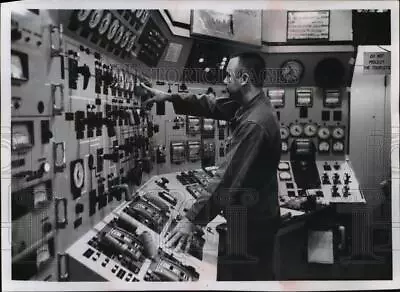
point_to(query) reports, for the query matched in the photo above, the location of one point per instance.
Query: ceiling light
(207, 69)
(201, 60)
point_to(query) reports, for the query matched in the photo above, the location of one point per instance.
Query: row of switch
(90, 253)
(335, 179)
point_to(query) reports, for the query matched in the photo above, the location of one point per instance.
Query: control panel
(129, 244)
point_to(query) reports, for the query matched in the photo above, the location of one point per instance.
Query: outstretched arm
(203, 105)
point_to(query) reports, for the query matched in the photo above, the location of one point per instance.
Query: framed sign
(308, 25)
(228, 25)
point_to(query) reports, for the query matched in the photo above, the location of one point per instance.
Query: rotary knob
(44, 168)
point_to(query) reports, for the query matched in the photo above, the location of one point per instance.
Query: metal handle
(63, 263)
(60, 224)
(342, 234)
(56, 52)
(57, 110)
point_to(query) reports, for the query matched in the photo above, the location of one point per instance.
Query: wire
(384, 49)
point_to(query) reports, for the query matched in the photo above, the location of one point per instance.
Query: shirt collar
(239, 113)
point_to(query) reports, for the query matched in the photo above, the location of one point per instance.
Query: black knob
(47, 227)
(16, 34)
(79, 208)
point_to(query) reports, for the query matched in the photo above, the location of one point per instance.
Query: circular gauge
(95, 18)
(105, 23)
(283, 166)
(127, 79)
(284, 133)
(296, 130)
(310, 130)
(130, 43)
(338, 133)
(338, 146)
(292, 71)
(284, 146)
(324, 133)
(285, 175)
(323, 146)
(125, 39)
(119, 34)
(83, 14)
(113, 29)
(121, 79)
(78, 175)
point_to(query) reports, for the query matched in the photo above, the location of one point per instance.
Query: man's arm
(203, 105)
(240, 176)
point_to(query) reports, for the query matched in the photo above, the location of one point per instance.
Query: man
(245, 185)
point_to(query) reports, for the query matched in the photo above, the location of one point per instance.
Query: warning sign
(377, 62)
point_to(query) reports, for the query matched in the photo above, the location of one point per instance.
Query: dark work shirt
(247, 177)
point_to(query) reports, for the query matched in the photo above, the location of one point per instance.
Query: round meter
(130, 43)
(95, 18)
(338, 133)
(296, 130)
(125, 39)
(292, 71)
(78, 175)
(324, 133)
(105, 23)
(284, 133)
(310, 130)
(338, 146)
(323, 146)
(113, 29)
(119, 34)
(83, 14)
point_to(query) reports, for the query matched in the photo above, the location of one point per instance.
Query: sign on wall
(307, 25)
(242, 26)
(377, 62)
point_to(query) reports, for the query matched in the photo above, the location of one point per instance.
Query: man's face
(232, 79)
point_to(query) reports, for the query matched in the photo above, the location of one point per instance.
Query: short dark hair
(254, 65)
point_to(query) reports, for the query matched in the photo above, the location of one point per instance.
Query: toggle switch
(79, 208)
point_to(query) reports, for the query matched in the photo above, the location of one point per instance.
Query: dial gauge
(296, 130)
(125, 39)
(324, 133)
(310, 130)
(292, 71)
(119, 34)
(338, 146)
(284, 133)
(78, 175)
(323, 146)
(105, 23)
(338, 133)
(95, 18)
(130, 43)
(113, 29)
(83, 14)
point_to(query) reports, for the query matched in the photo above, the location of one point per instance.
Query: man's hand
(159, 95)
(181, 235)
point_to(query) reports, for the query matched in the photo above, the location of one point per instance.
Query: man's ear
(244, 79)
